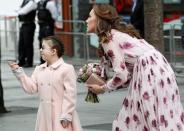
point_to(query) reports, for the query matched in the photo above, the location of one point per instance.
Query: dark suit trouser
(45, 31)
(182, 35)
(25, 47)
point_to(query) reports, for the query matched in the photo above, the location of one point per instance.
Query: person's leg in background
(40, 37)
(29, 39)
(44, 31)
(182, 35)
(21, 47)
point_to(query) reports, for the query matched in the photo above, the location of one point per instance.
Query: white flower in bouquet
(83, 75)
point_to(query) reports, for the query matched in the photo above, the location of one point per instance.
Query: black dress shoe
(21, 64)
(28, 65)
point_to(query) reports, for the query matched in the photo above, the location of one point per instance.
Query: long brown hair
(107, 19)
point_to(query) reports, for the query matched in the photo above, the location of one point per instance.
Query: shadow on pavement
(100, 127)
(19, 110)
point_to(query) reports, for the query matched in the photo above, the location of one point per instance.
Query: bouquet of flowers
(91, 73)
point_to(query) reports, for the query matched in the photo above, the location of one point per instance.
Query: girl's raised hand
(13, 65)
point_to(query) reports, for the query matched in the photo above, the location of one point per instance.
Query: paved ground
(23, 107)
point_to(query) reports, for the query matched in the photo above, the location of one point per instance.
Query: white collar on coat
(55, 65)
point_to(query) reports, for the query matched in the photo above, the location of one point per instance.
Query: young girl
(55, 81)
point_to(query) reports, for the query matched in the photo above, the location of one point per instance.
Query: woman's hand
(65, 123)
(96, 88)
(13, 65)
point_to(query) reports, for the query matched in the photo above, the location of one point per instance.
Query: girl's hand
(96, 88)
(13, 65)
(65, 123)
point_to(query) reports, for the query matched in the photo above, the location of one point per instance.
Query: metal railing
(84, 45)
(176, 51)
(9, 33)
(83, 49)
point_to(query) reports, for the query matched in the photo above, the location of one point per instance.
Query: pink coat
(56, 86)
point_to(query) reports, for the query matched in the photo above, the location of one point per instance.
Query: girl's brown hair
(56, 43)
(107, 19)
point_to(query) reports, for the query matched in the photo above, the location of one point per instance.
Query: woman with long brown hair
(153, 100)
